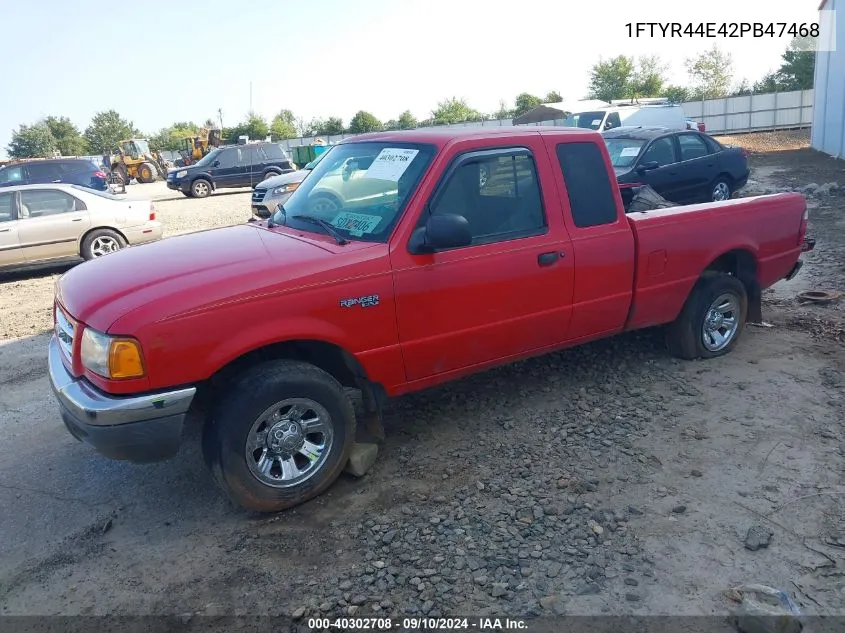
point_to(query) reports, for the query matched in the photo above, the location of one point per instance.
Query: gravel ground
(605, 479)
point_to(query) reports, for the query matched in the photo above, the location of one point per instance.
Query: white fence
(753, 113)
(730, 115)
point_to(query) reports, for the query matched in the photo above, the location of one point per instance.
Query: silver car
(270, 193)
(41, 223)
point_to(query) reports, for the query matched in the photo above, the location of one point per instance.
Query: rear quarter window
(588, 184)
(273, 151)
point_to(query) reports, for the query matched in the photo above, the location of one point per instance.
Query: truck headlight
(289, 188)
(113, 357)
(182, 173)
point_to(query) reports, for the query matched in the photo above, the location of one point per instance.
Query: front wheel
(712, 319)
(201, 188)
(280, 436)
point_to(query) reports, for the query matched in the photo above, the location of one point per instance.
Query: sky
(182, 61)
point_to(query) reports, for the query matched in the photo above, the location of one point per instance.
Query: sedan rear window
(623, 151)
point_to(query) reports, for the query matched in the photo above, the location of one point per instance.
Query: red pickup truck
(393, 267)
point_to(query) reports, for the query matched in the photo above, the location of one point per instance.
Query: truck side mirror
(441, 231)
(216, 163)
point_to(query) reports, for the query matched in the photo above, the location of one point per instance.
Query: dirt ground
(607, 479)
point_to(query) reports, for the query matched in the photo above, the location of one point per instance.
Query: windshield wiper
(328, 227)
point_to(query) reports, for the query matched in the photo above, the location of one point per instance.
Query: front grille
(65, 332)
(258, 195)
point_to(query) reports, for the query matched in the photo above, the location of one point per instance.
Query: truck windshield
(623, 151)
(360, 189)
(590, 120)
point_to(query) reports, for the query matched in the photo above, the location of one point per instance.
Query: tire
(101, 242)
(146, 173)
(270, 173)
(200, 188)
(324, 202)
(691, 335)
(241, 416)
(720, 189)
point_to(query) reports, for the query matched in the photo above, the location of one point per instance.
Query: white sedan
(43, 223)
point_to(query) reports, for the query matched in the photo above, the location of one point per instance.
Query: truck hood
(191, 272)
(284, 179)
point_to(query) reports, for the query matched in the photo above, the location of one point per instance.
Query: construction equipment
(134, 159)
(195, 147)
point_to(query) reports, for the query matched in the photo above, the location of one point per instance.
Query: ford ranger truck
(393, 267)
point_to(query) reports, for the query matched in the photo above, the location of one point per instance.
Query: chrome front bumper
(138, 428)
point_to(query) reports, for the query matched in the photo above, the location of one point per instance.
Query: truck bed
(674, 245)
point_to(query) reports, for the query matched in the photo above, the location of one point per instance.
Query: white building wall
(828, 131)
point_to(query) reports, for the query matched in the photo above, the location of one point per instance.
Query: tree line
(711, 76)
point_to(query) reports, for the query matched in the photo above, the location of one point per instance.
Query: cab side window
(499, 195)
(228, 158)
(588, 185)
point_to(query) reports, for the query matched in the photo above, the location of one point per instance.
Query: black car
(682, 166)
(71, 171)
(230, 166)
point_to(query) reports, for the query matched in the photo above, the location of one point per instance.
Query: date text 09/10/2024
(417, 624)
(724, 29)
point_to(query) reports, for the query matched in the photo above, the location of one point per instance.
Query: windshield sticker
(391, 163)
(629, 151)
(356, 223)
(596, 121)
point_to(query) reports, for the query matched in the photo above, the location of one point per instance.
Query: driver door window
(12, 175)
(661, 151)
(499, 197)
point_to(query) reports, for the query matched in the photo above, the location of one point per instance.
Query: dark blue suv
(71, 171)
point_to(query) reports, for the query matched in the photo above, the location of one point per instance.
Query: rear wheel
(712, 319)
(201, 188)
(720, 189)
(146, 173)
(101, 242)
(280, 436)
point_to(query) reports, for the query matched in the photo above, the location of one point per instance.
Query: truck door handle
(547, 259)
(77, 220)
(5, 230)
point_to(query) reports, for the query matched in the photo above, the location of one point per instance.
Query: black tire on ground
(200, 188)
(146, 173)
(256, 391)
(270, 173)
(686, 337)
(101, 242)
(720, 189)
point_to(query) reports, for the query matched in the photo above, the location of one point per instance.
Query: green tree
(283, 125)
(209, 123)
(797, 71)
(364, 122)
(172, 137)
(332, 125)
(106, 130)
(68, 139)
(255, 127)
(743, 88)
(611, 79)
(711, 73)
(407, 121)
(32, 141)
(525, 102)
(769, 83)
(454, 110)
(676, 94)
(553, 97)
(648, 78)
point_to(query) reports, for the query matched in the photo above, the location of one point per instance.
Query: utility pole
(250, 97)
